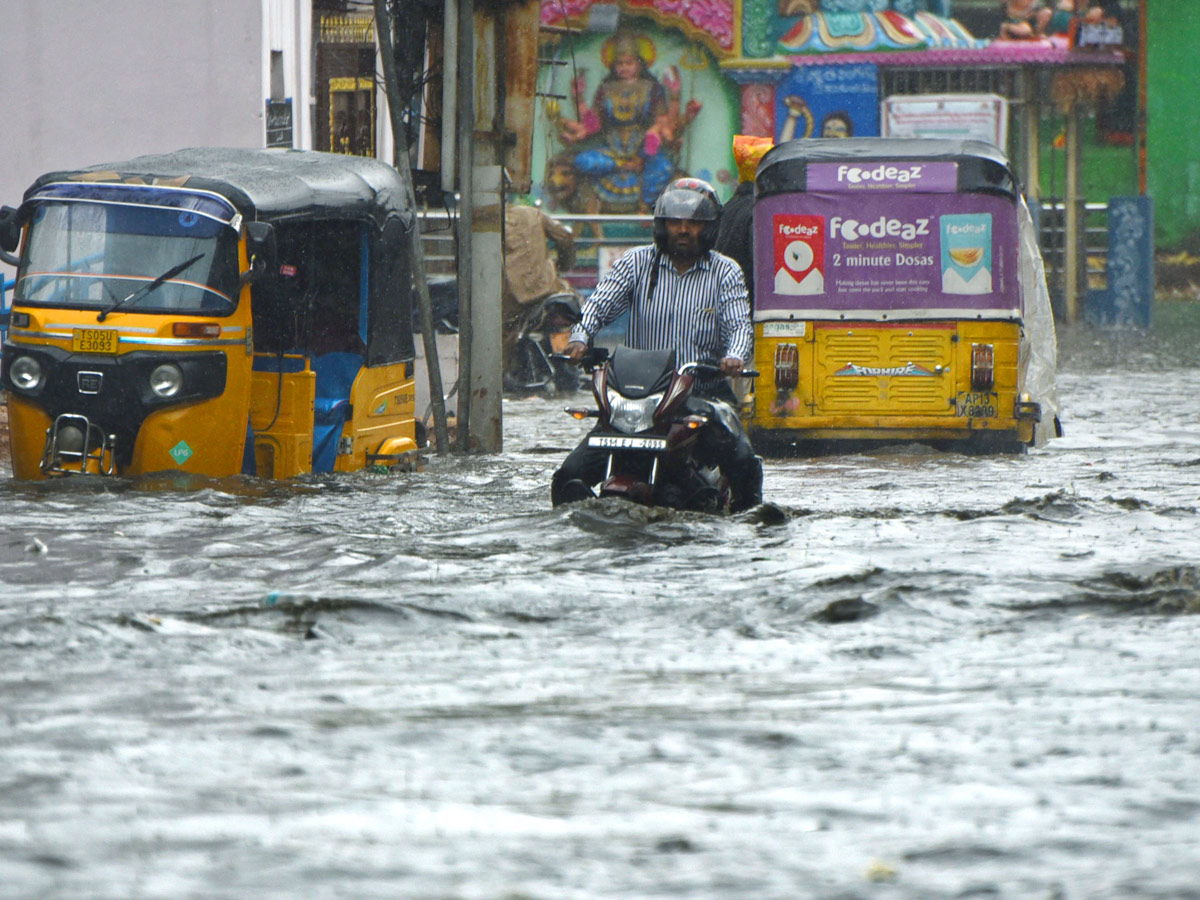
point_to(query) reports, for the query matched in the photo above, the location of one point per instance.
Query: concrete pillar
(487, 275)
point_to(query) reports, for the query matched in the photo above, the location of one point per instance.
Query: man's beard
(684, 248)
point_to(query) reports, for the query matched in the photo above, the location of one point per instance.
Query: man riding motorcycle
(684, 296)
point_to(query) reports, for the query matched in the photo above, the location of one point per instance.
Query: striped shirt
(703, 314)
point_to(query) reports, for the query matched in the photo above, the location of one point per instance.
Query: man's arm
(563, 238)
(737, 331)
(612, 296)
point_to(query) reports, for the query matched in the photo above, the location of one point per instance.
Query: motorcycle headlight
(632, 416)
(26, 373)
(166, 380)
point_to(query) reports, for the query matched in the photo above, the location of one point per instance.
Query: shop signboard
(980, 117)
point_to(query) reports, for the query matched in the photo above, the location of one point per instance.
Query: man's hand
(575, 351)
(731, 365)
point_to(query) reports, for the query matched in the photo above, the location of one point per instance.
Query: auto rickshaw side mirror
(10, 233)
(260, 247)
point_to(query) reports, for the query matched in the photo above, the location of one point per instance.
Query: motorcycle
(532, 364)
(663, 442)
(536, 364)
(443, 301)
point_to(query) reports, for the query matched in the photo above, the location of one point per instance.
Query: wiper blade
(149, 286)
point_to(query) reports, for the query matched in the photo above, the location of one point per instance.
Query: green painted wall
(1173, 122)
(1107, 171)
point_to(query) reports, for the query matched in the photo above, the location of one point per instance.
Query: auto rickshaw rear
(899, 296)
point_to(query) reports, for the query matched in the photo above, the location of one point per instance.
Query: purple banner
(872, 255)
(927, 177)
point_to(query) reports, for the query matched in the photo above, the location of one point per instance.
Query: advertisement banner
(878, 255)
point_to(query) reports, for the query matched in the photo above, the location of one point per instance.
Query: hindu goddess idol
(621, 136)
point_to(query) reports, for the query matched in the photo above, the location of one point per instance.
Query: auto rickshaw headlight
(26, 373)
(166, 380)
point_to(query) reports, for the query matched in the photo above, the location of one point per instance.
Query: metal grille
(1053, 239)
(920, 347)
(885, 348)
(859, 348)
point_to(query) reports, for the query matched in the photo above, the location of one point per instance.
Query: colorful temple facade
(696, 72)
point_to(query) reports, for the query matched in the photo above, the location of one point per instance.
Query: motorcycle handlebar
(592, 357)
(709, 369)
(596, 356)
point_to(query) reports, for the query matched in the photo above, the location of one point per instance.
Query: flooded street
(917, 675)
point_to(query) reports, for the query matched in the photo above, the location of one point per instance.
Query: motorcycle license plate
(94, 340)
(621, 442)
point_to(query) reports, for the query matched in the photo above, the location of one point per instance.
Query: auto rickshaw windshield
(92, 254)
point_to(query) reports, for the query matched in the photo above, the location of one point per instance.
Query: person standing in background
(735, 237)
(530, 275)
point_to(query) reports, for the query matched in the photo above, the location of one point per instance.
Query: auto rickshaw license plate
(94, 340)
(976, 405)
(618, 442)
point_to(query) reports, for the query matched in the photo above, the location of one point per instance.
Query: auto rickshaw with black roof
(211, 311)
(899, 297)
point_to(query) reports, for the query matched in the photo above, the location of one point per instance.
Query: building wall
(87, 81)
(1173, 151)
(287, 31)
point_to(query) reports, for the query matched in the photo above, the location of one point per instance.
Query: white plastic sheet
(1039, 342)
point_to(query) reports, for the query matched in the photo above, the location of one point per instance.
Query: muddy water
(920, 675)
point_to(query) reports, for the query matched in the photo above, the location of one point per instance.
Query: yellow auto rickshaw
(899, 295)
(211, 311)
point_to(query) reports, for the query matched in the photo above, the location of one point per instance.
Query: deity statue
(627, 140)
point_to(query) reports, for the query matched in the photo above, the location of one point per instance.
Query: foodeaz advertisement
(875, 253)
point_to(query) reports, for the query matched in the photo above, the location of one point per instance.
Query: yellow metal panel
(281, 414)
(853, 362)
(882, 392)
(384, 401)
(207, 436)
(197, 438)
(27, 437)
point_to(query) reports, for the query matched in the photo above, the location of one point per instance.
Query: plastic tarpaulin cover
(1039, 339)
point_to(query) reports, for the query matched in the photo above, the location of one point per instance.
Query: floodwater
(917, 675)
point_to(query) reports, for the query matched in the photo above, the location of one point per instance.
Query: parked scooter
(536, 365)
(443, 301)
(663, 442)
(542, 332)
